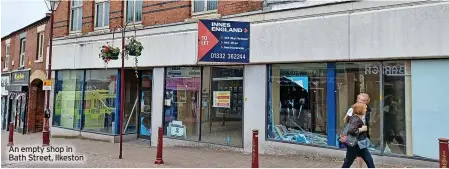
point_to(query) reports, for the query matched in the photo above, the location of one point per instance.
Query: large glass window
(181, 102)
(100, 100)
(297, 110)
(394, 106)
(222, 105)
(68, 98)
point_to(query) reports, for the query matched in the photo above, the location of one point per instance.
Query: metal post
(11, 134)
(255, 159)
(46, 132)
(122, 92)
(444, 152)
(159, 147)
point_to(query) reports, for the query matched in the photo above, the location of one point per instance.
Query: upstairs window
(102, 13)
(22, 52)
(40, 49)
(76, 13)
(133, 11)
(6, 62)
(203, 6)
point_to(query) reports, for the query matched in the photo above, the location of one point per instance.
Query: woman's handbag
(363, 143)
(347, 138)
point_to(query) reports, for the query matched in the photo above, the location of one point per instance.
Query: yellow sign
(19, 76)
(222, 99)
(47, 82)
(47, 85)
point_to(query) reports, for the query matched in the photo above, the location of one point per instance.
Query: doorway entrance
(35, 118)
(146, 84)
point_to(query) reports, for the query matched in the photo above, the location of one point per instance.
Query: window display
(68, 96)
(100, 100)
(181, 102)
(222, 105)
(297, 108)
(145, 104)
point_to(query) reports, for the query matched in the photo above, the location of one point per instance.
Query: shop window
(182, 102)
(145, 104)
(131, 99)
(222, 105)
(397, 97)
(100, 101)
(68, 99)
(133, 11)
(297, 105)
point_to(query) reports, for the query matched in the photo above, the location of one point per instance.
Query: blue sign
(223, 41)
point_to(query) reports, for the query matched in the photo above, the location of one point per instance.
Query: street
(137, 153)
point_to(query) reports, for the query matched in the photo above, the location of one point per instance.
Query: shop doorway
(19, 111)
(35, 118)
(146, 84)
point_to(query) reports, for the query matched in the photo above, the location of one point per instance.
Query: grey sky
(16, 14)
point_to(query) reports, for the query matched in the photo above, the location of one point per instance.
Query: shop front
(4, 100)
(146, 85)
(307, 103)
(204, 104)
(18, 98)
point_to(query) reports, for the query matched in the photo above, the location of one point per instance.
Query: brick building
(308, 62)
(23, 65)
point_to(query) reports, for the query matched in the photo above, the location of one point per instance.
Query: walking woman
(359, 130)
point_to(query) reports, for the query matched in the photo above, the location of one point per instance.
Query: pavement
(138, 154)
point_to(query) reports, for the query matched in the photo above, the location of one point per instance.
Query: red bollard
(255, 161)
(444, 152)
(11, 134)
(159, 147)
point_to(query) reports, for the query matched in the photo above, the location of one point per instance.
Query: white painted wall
(157, 111)
(254, 92)
(347, 31)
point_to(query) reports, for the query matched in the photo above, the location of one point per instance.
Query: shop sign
(223, 41)
(184, 72)
(20, 78)
(47, 85)
(222, 99)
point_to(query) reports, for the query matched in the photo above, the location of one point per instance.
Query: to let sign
(47, 85)
(223, 41)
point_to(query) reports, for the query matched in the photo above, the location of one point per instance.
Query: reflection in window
(394, 107)
(297, 103)
(99, 100)
(68, 96)
(145, 105)
(181, 102)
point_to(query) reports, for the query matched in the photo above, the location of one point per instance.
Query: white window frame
(205, 11)
(134, 18)
(104, 18)
(72, 8)
(40, 49)
(6, 62)
(22, 52)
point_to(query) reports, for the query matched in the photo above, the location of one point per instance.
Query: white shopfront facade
(415, 35)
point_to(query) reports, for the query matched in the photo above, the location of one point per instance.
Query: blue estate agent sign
(223, 41)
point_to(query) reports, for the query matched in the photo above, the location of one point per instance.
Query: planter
(109, 53)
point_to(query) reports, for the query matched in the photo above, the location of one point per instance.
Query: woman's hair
(359, 109)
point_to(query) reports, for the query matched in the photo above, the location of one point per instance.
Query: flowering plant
(109, 53)
(134, 48)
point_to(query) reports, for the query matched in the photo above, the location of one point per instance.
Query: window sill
(101, 28)
(209, 15)
(75, 33)
(137, 24)
(5, 69)
(39, 61)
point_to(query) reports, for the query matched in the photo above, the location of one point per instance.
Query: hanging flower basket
(134, 48)
(109, 53)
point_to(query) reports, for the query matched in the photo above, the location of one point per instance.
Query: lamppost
(51, 5)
